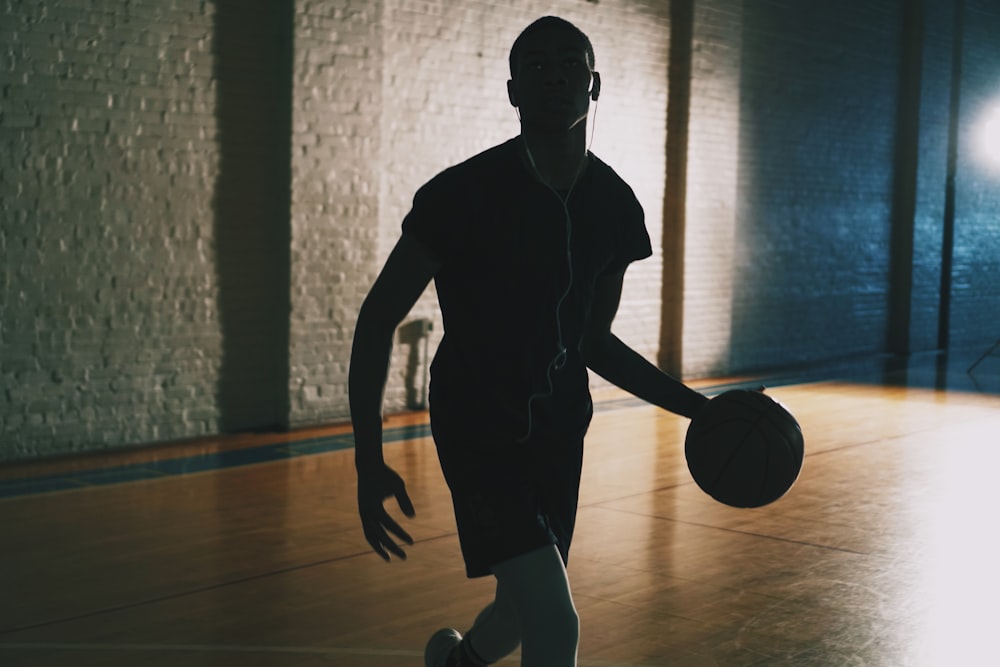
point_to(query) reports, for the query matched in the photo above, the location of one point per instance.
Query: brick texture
(975, 292)
(801, 250)
(109, 332)
(336, 103)
(712, 171)
(932, 174)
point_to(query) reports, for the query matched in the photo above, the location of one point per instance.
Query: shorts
(512, 498)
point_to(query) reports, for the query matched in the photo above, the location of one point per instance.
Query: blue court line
(186, 465)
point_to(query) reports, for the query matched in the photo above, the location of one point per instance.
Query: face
(552, 81)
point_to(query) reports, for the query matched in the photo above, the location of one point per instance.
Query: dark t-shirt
(501, 238)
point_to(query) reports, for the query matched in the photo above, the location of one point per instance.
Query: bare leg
(536, 588)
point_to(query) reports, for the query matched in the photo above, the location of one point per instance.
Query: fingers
(376, 545)
(395, 549)
(395, 529)
(397, 488)
(383, 545)
(379, 539)
(404, 502)
(376, 522)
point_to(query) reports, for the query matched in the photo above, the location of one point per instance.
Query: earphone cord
(559, 360)
(593, 127)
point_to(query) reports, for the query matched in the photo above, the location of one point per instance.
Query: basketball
(744, 449)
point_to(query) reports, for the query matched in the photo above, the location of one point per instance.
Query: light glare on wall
(987, 140)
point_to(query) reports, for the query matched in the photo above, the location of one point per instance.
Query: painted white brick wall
(108, 327)
(712, 171)
(336, 99)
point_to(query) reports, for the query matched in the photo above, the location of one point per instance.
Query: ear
(511, 94)
(595, 89)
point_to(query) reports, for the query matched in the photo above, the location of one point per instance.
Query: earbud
(511, 95)
(595, 89)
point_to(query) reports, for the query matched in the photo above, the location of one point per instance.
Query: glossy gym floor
(246, 550)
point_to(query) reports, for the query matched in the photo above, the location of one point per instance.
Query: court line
(186, 465)
(237, 648)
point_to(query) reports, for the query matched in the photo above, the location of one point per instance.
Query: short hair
(544, 23)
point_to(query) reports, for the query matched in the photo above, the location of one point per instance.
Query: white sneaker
(440, 646)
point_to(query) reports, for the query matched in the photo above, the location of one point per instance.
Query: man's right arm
(406, 274)
(403, 278)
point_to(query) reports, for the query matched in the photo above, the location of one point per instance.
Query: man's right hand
(374, 487)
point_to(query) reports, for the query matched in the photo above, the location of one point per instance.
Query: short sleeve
(636, 245)
(431, 218)
(632, 239)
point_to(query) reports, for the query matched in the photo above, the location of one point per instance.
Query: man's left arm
(619, 364)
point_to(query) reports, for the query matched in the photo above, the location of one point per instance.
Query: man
(527, 244)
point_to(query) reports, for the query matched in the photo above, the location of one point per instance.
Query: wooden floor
(886, 551)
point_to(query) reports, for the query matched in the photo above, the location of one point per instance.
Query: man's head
(552, 74)
(548, 23)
